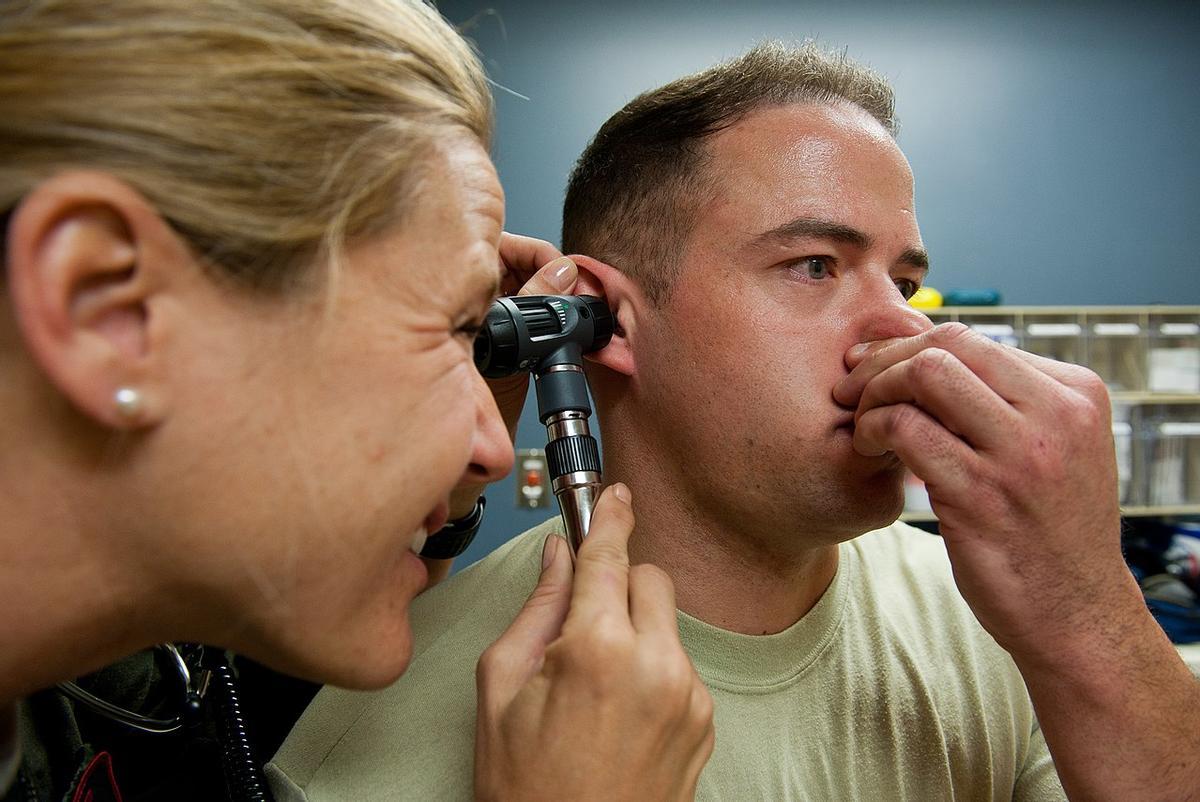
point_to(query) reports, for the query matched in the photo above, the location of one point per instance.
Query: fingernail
(549, 549)
(621, 492)
(564, 276)
(859, 350)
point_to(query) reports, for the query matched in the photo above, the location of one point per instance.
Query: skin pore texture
(721, 415)
(279, 436)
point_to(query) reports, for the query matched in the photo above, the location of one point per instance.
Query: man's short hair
(633, 195)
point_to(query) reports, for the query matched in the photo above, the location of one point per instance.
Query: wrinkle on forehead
(468, 166)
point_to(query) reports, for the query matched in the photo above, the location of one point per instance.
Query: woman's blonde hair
(265, 131)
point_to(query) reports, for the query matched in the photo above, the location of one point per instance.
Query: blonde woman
(247, 244)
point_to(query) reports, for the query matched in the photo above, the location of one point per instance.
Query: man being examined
(752, 227)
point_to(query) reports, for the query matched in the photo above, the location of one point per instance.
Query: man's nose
(491, 448)
(887, 314)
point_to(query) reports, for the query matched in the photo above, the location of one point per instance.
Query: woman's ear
(628, 304)
(83, 250)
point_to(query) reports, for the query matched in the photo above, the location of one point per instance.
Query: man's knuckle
(932, 365)
(1077, 410)
(1093, 416)
(902, 418)
(948, 335)
(1094, 388)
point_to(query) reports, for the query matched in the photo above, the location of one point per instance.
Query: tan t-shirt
(887, 690)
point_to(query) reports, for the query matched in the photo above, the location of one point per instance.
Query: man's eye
(815, 267)
(908, 288)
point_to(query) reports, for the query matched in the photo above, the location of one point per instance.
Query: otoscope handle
(573, 459)
(576, 503)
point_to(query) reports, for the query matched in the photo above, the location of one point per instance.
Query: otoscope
(548, 336)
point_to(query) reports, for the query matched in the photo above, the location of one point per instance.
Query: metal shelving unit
(1149, 356)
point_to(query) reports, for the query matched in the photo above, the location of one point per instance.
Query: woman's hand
(531, 267)
(589, 694)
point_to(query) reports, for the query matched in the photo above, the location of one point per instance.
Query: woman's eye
(908, 288)
(469, 331)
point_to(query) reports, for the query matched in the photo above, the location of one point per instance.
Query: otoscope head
(534, 332)
(548, 335)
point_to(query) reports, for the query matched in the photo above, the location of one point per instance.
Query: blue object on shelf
(971, 298)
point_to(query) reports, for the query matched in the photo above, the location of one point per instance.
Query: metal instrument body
(548, 336)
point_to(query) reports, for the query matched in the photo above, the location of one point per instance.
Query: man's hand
(1017, 453)
(589, 694)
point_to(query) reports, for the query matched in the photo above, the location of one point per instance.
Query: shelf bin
(1174, 354)
(1174, 460)
(1116, 347)
(1058, 337)
(1123, 442)
(1001, 328)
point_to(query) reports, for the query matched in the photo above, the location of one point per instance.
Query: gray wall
(1055, 144)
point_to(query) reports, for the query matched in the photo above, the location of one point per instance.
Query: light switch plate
(533, 479)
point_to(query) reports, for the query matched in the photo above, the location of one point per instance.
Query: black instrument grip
(578, 452)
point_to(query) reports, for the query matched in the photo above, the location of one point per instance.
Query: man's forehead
(819, 128)
(805, 160)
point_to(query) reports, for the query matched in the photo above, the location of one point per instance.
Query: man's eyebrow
(809, 227)
(916, 257)
(813, 228)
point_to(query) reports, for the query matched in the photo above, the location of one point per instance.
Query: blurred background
(1054, 144)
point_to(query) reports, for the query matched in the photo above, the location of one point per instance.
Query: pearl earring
(128, 401)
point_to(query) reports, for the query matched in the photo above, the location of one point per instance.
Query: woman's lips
(432, 524)
(437, 519)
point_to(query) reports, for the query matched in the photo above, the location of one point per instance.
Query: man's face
(807, 246)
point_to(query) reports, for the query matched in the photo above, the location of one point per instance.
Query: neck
(71, 604)
(724, 575)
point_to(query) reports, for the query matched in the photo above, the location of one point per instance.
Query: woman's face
(333, 427)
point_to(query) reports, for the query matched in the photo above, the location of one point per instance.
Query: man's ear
(628, 304)
(85, 265)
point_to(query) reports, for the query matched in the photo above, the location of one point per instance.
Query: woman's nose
(491, 449)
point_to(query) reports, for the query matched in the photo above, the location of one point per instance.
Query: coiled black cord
(243, 772)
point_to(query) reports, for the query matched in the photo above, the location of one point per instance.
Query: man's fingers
(1002, 368)
(652, 601)
(937, 382)
(1073, 376)
(602, 565)
(517, 654)
(935, 455)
